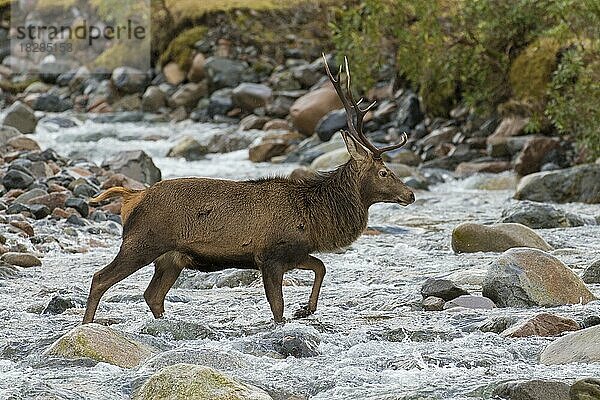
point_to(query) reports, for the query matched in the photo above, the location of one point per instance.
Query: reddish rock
(542, 325)
(23, 143)
(24, 226)
(113, 207)
(510, 126)
(531, 157)
(310, 108)
(196, 72)
(51, 200)
(55, 187)
(266, 150)
(173, 74)
(252, 122)
(59, 213)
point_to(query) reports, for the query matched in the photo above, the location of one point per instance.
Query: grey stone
(21, 117)
(472, 302)
(592, 273)
(532, 390)
(249, 96)
(129, 80)
(15, 179)
(579, 346)
(433, 303)
(586, 389)
(442, 288)
(540, 216)
(224, 72)
(79, 204)
(331, 123)
(135, 164)
(24, 260)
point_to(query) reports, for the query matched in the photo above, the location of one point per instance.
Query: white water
(365, 304)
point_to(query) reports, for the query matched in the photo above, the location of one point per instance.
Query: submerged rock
(524, 277)
(196, 382)
(532, 390)
(442, 288)
(470, 238)
(179, 330)
(542, 325)
(577, 184)
(540, 216)
(292, 339)
(581, 346)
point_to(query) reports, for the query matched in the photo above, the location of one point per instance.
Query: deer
(271, 224)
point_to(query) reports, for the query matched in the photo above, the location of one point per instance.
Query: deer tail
(114, 192)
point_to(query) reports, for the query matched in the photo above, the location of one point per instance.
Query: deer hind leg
(128, 260)
(316, 265)
(166, 271)
(272, 276)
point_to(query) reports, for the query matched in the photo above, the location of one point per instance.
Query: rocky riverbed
(370, 338)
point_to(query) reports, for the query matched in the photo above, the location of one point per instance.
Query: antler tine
(402, 142)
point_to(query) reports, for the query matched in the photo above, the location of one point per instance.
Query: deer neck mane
(333, 208)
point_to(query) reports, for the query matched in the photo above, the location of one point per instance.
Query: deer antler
(355, 128)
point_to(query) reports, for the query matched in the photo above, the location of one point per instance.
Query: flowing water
(374, 342)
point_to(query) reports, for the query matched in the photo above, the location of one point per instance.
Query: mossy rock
(54, 5)
(181, 49)
(196, 382)
(16, 87)
(531, 72)
(194, 9)
(100, 343)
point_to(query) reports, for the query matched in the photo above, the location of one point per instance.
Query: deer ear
(357, 151)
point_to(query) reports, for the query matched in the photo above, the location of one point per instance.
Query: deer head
(377, 182)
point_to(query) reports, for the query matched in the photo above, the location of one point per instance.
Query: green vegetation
(537, 57)
(181, 49)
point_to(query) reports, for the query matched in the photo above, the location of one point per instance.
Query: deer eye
(383, 173)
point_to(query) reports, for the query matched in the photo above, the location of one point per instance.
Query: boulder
(329, 124)
(471, 238)
(249, 96)
(220, 102)
(196, 72)
(543, 324)
(100, 343)
(196, 382)
(292, 339)
(442, 288)
(188, 148)
(7, 133)
(472, 302)
(22, 143)
(532, 156)
(24, 260)
(592, 273)
(188, 94)
(540, 216)
(15, 179)
(135, 164)
(173, 73)
(586, 389)
(532, 390)
(128, 79)
(576, 184)
(524, 277)
(403, 156)
(576, 347)
(153, 99)
(21, 117)
(307, 110)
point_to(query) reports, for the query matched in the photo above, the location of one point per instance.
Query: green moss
(121, 54)
(16, 87)
(531, 72)
(54, 5)
(181, 49)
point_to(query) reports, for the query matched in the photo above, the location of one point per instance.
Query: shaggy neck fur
(333, 208)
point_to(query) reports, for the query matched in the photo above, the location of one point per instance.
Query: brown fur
(131, 198)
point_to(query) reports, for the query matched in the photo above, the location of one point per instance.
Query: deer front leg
(272, 280)
(316, 265)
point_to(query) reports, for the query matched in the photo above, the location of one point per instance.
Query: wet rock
(99, 343)
(532, 390)
(15, 179)
(153, 99)
(84, 189)
(472, 302)
(497, 324)
(79, 204)
(24, 260)
(173, 73)
(525, 277)
(540, 216)
(433, 303)
(128, 79)
(179, 330)
(135, 164)
(51, 200)
(409, 112)
(577, 184)
(223, 359)
(306, 111)
(249, 96)
(592, 273)
(470, 238)
(442, 288)
(292, 339)
(50, 102)
(534, 153)
(20, 116)
(580, 346)
(188, 95)
(16, 208)
(227, 278)
(196, 382)
(543, 324)
(188, 148)
(470, 168)
(23, 226)
(58, 305)
(225, 72)
(30, 194)
(585, 389)
(74, 219)
(8, 271)
(196, 72)
(276, 124)
(22, 143)
(39, 211)
(331, 123)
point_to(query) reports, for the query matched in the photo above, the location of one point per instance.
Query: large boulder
(532, 390)
(534, 153)
(540, 216)
(249, 96)
(471, 238)
(20, 116)
(329, 124)
(576, 184)
(581, 346)
(196, 382)
(525, 277)
(543, 324)
(331, 159)
(135, 164)
(310, 108)
(100, 343)
(509, 126)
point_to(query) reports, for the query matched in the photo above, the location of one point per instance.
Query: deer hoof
(303, 312)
